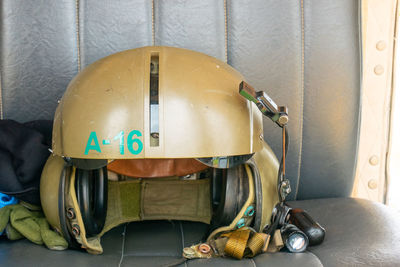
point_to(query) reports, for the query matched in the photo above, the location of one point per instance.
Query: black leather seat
(358, 234)
(305, 54)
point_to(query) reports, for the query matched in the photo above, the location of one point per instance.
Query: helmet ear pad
(234, 191)
(92, 196)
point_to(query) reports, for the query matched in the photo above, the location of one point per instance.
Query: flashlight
(294, 239)
(314, 231)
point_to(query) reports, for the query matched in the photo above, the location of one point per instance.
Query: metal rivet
(70, 213)
(249, 211)
(381, 45)
(374, 160)
(378, 69)
(75, 230)
(155, 135)
(204, 248)
(240, 223)
(372, 184)
(188, 251)
(261, 136)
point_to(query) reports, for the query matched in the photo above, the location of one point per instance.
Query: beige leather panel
(378, 29)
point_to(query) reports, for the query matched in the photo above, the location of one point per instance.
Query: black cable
(281, 177)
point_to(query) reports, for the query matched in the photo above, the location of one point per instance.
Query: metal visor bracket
(279, 115)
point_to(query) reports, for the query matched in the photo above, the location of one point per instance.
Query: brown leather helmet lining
(149, 168)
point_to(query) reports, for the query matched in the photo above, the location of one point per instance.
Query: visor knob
(283, 119)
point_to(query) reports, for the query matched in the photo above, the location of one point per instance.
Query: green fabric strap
(18, 221)
(12, 233)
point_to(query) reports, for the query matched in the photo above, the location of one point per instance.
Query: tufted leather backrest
(305, 54)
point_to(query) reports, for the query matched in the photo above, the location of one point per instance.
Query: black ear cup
(233, 186)
(91, 193)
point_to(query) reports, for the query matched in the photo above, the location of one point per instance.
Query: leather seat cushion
(359, 233)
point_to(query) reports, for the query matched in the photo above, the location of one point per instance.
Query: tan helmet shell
(201, 113)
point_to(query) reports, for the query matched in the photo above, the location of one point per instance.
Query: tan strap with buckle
(257, 242)
(236, 244)
(240, 244)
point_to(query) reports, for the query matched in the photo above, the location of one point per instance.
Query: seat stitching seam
(302, 98)
(1, 99)
(226, 30)
(153, 35)
(182, 237)
(123, 246)
(78, 38)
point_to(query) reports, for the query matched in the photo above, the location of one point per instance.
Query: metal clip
(278, 114)
(284, 189)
